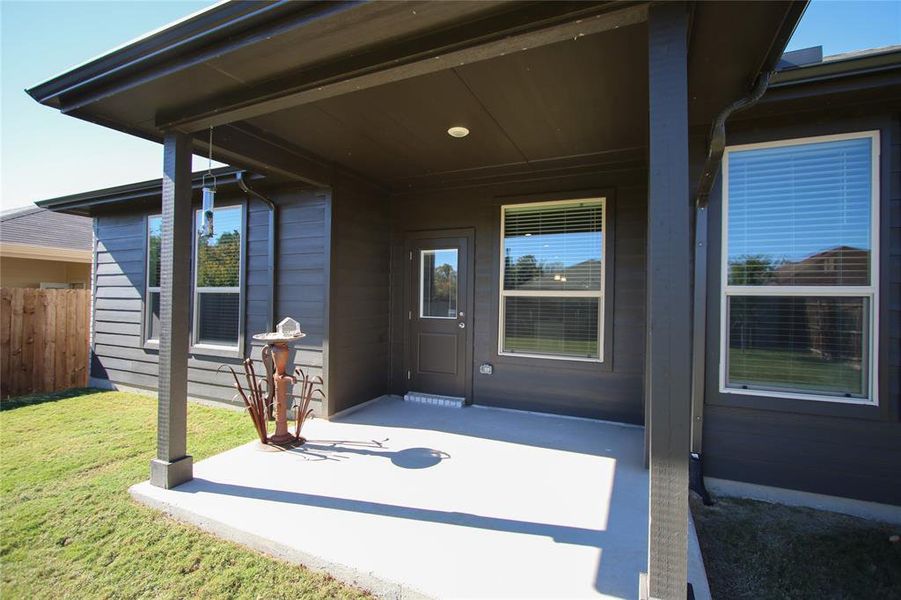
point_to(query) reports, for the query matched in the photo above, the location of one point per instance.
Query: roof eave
(218, 22)
(40, 252)
(83, 203)
(850, 67)
(790, 22)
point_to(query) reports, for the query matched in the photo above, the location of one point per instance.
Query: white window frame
(870, 292)
(195, 295)
(599, 294)
(148, 305)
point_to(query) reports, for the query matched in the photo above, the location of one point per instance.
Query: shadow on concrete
(516, 427)
(408, 458)
(559, 533)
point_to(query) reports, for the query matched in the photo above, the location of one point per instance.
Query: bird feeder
(209, 195)
(209, 201)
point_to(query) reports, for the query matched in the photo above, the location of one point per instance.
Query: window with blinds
(799, 273)
(552, 279)
(152, 291)
(217, 279)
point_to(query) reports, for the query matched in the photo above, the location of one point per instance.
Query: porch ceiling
(571, 100)
(301, 89)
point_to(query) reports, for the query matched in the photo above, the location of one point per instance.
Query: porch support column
(172, 466)
(669, 303)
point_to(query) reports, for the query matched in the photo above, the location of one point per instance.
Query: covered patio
(410, 500)
(348, 107)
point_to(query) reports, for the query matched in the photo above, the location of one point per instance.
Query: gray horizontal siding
(118, 353)
(359, 296)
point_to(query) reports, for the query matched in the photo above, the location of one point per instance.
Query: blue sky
(45, 154)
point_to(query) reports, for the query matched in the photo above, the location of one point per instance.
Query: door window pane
(438, 291)
(815, 344)
(551, 326)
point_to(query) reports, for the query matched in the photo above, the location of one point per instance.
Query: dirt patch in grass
(70, 528)
(756, 550)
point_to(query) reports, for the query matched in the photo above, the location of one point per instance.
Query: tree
(524, 270)
(218, 259)
(755, 269)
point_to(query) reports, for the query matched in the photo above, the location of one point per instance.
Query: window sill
(202, 350)
(799, 396)
(216, 351)
(559, 362)
(795, 403)
(552, 357)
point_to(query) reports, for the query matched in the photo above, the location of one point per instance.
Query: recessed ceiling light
(458, 131)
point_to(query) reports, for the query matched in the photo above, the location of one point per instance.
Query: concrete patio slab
(412, 500)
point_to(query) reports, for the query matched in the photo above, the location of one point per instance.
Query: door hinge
(408, 374)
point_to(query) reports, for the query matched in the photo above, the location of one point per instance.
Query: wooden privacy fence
(43, 340)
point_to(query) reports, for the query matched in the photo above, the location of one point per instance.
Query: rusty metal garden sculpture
(260, 400)
(309, 386)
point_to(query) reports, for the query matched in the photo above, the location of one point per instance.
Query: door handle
(461, 325)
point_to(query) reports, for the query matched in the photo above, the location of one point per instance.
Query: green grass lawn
(757, 550)
(70, 528)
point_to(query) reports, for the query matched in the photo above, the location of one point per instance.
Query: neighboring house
(44, 249)
(420, 261)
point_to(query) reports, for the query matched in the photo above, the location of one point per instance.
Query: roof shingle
(40, 227)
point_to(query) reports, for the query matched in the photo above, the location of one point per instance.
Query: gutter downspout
(715, 150)
(717, 145)
(271, 272)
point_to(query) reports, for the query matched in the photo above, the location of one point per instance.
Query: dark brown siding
(829, 448)
(119, 355)
(612, 390)
(358, 320)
